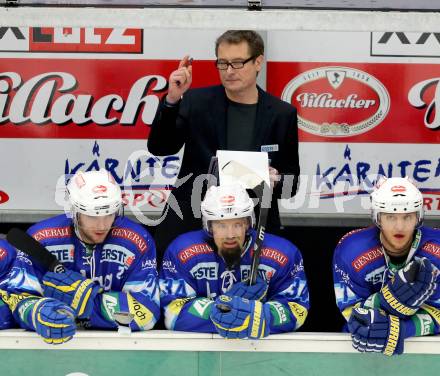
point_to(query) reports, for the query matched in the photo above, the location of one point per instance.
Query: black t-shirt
(240, 126)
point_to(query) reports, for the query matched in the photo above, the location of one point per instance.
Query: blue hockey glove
(245, 318)
(73, 289)
(409, 288)
(50, 318)
(257, 291)
(372, 330)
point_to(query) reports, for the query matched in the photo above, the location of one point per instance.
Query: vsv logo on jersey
(117, 254)
(71, 39)
(64, 253)
(205, 270)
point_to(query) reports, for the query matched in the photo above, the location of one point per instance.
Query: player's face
(397, 232)
(93, 230)
(229, 235)
(238, 81)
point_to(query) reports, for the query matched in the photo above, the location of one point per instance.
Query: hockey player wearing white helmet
(227, 216)
(386, 277)
(397, 209)
(208, 269)
(95, 201)
(111, 276)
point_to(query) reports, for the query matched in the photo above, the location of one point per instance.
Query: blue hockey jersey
(7, 257)
(361, 268)
(124, 265)
(193, 275)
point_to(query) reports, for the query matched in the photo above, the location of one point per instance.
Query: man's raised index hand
(180, 80)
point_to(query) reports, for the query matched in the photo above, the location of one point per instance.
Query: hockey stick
(264, 192)
(26, 243)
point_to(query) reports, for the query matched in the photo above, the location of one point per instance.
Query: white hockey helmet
(396, 195)
(94, 193)
(226, 202)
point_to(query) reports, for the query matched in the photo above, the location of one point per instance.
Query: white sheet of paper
(246, 167)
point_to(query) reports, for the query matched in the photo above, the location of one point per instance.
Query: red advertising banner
(89, 99)
(367, 102)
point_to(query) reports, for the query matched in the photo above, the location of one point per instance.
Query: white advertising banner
(84, 98)
(36, 183)
(367, 106)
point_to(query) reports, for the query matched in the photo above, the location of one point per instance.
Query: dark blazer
(198, 121)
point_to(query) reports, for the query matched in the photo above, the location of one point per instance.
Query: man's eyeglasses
(223, 64)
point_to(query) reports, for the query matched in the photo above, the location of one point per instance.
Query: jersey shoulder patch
(432, 248)
(275, 255)
(132, 236)
(193, 250)
(52, 228)
(367, 258)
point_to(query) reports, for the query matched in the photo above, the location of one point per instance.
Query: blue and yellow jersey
(193, 275)
(124, 265)
(7, 257)
(360, 269)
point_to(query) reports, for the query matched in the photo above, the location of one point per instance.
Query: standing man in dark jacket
(237, 115)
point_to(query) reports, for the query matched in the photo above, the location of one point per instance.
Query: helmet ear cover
(396, 195)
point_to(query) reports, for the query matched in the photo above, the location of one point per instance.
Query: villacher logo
(337, 101)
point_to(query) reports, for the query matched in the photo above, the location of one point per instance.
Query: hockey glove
(245, 318)
(73, 289)
(409, 288)
(242, 289)
(372, 330)
(51, 319)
